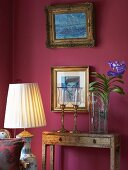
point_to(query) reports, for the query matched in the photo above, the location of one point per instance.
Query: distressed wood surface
(111, 141)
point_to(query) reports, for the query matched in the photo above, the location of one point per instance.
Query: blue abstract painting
(68, 26)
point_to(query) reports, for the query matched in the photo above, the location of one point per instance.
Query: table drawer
(94, 141)
(76, 140)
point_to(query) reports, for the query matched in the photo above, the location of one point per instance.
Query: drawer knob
(94, 141)
(60, 139)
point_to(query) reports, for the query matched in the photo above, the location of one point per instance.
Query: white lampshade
(24, 108)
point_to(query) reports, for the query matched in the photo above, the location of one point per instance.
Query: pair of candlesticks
(69, 95)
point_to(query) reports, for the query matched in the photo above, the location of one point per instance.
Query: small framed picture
(70, 25)
(69, 82)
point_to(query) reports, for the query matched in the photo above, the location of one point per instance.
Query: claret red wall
(31, 62)
(5, 52)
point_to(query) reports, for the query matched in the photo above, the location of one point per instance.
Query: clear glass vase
(98, 110)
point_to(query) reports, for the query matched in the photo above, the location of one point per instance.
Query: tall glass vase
(98, 114)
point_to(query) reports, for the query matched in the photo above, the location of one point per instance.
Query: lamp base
(31, 160)
(24, 134)
(26, 154)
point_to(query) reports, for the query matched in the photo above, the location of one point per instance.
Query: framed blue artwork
(70, 25)
(68, 81)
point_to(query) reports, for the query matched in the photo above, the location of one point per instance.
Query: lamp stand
(26, 153)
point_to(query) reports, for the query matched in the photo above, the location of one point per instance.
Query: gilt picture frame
(70, 25)
(68, 77)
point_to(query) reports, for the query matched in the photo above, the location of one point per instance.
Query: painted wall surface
(5, 53)
(32, 62)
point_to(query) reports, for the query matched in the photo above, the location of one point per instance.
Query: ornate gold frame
(85, 41)
(56, 74)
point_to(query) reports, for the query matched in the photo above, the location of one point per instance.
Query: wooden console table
(110, 141)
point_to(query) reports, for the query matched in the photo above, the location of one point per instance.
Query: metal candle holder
(62, 100)
(62, 130)
(76, 100)
(75, 130)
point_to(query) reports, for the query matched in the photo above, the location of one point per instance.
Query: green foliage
(104, 85)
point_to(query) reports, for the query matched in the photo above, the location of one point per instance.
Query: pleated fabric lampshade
(24, 108)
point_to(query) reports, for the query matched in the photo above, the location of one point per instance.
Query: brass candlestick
(76, 100)
(62, 101)
(62, 130)
(75, 130)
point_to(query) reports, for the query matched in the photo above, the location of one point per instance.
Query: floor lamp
(24, 109)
